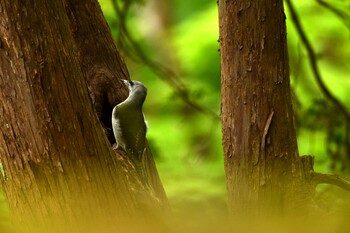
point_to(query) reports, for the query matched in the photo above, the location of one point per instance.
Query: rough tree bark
(56, 160)
(264, 171)
(261, 155)
(103, 67)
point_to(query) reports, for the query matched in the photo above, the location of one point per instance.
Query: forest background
(172, 47)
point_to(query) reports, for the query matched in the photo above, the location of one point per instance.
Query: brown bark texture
(103, 68)
(262, 164)
(56, 160)
(100, 61)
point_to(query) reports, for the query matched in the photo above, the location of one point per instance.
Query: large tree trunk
(262, 165)
(56, 159)
(99, 59)
(103, 68)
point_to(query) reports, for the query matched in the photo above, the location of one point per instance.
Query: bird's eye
(131, 83)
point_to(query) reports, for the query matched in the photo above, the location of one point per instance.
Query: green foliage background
(187, 143)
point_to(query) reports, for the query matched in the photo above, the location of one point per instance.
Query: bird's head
(136, 89)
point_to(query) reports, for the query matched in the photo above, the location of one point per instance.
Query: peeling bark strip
(263, 148)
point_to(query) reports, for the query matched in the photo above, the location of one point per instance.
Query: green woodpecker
(128, 122)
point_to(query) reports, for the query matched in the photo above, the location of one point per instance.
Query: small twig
(136, 53)
(314, 64)
(320, 178)
(317, 74)
(344, 17)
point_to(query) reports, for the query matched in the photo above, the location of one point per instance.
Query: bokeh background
(172, 46)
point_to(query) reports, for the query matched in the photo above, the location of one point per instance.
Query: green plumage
(128, 121)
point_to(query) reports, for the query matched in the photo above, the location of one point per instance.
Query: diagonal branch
(135, 52)
(344, 17)
(320, 178)
(315, 69)
(314, 64)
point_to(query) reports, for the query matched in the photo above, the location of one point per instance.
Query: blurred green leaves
(316, 114)
(187, 143)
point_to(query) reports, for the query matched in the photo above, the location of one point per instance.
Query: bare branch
(136, 53)
(320, 178)
(344, 17)
(314, 64)
(315, 69)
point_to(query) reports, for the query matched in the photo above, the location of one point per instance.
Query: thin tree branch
(315, 69)
(314, 64)
(344, 17)
(320, 178)
(135, 52)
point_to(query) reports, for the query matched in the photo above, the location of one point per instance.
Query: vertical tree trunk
(56, 161)
(99, 59)
(261, 156)
(103, 68)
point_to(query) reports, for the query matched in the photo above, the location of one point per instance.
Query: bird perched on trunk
(129, 126)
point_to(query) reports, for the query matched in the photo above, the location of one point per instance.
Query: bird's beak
(126, 82)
